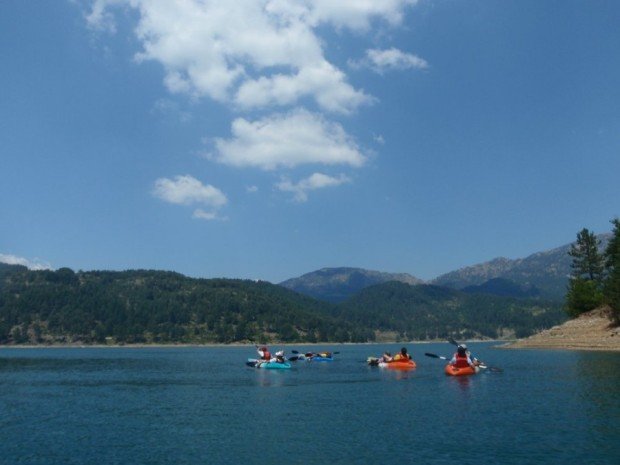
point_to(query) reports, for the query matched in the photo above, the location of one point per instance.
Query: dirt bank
(590, 331)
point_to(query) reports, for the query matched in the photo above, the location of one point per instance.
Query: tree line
(147, 307)
(595, 276)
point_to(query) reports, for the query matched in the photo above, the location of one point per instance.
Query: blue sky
(266, 139)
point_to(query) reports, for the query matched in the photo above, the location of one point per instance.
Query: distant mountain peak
(546, 271)
(339, 283)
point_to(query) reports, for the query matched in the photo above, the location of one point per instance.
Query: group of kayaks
(281, 363)
(402, 361)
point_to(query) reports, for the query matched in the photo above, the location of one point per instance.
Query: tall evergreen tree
(585, 286)
(588, 263)
(612, 267)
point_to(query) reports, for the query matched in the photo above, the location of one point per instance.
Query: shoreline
(591, 331)
(236, 344)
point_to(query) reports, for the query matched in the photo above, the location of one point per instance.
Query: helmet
(280, 353)
(462, 346)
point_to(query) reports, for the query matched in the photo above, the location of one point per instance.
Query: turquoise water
(204, 406)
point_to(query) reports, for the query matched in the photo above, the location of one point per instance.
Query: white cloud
(357, 14)
(252, 52)
(251, 189)
(313, 182)
(35, 264)
(187, 190)
(288, 140)
(201, 214)
(323, 81)
(390, 59)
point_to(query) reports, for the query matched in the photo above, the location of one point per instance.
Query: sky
(264, 139)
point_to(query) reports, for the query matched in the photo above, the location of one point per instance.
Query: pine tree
(585, 286)
(588, 263)
(612, 268)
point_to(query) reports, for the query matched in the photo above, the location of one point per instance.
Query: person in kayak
(462, 358)
(402, 355)
(386, 357)
(280, 357)
(264, 353)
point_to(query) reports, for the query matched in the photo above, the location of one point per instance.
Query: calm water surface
(204, 406)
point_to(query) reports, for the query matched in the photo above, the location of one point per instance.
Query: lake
(202, 405)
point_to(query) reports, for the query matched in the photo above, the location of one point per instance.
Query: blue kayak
(318, 358)
(252, 362)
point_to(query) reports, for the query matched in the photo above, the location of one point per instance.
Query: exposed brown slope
(590, 331)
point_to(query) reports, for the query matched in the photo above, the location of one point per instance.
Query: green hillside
(133, 307)
(430, 312)
(157, 307)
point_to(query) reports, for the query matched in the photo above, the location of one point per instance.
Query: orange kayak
(451, 370)
(399, 365)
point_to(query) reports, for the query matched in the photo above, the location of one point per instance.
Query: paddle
(436, 356)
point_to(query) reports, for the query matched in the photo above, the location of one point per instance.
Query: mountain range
(542, 275)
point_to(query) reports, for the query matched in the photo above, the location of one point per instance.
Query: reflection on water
(598, 392)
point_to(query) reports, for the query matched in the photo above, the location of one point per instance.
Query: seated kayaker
(402, 355)
(280, 357)
(264, 353)
(462, 359)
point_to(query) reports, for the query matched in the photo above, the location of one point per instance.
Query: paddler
(264, 353)
(462, 358)
(402, 355)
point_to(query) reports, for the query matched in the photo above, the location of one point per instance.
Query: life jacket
(461, 360)
(266, 355)
(400, 356)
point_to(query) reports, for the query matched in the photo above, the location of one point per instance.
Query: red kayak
(451, 370)
(398, 365)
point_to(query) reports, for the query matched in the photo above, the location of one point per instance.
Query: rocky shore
(589, 331)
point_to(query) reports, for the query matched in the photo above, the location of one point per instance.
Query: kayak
(393, 365)
(398, 365)
(252, 362)
(318, 358)
(451, 370)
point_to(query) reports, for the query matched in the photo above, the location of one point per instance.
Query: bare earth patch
(590, 331)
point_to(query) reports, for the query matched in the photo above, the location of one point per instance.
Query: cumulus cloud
(287, 140)
(201, 214)
(313, 182)
(323, 81)
(187, 190)
(390, 59)
(357, 14)
(252, 52)
(35, 264)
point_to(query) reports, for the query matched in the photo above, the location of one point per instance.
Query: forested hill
(157, 307)
(430, 312)
(62, 306)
